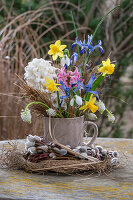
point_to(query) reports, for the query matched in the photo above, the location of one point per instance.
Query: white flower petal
(101, 106)
(36, 71)
(72, 102)
(78, 100)
(65, 60)
(51, 112)
(92, 116)
(111, 117)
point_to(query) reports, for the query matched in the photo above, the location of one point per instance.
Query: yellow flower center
(55, 49)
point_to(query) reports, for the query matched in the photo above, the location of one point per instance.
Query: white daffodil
(101, 106)
(51, 112)
(36, 71)
(111, 117)
(92, 116)
(78, 100)
(65, 60)
(26, 116)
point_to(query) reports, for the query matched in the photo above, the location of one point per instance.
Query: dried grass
(14, 159)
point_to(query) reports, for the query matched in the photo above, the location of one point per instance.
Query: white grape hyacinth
(101, 106)
(51, 112)
(26, 115)
(36, 71)
(78, 100)
(65, 60)
(111, 117)
(92, 116)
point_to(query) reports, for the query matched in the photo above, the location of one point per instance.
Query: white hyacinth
(26, 115)
(36, 71)
(92, 116)
(111, 117)
(51, 112)
(65, 60)
(101, 106)
(78, 100)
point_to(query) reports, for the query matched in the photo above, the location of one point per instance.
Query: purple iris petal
(66, 90)
(87, 46)
(83, 51)
(91, 81)
(88, 87)
(87, 66)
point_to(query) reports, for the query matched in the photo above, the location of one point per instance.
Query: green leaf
(95, 85)
(97, 82)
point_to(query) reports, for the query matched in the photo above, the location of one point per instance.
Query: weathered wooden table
(115, 185)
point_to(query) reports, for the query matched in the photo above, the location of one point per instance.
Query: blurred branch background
(28, 27)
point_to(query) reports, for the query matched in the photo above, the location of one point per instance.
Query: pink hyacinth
(62, 75)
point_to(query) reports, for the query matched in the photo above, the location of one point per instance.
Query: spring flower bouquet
(65, 90)
(67, 87)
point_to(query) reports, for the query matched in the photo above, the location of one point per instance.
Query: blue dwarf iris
(88, 87)
(87, 47)
(67, 92)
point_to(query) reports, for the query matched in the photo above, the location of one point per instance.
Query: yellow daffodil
(107, 67)
(56, 50)
(51, 85)
(90, 104)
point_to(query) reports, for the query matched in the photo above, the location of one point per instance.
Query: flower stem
(75, 30)
(99, 24)
(38, 102)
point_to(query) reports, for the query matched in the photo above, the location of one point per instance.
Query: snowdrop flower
(51, 112)
(65, 61)
(36, 71)
(111, 117)
(26, 115)
(92, 116)
(78, 100)
(101, 106)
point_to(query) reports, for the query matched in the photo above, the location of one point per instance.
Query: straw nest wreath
(14, 159)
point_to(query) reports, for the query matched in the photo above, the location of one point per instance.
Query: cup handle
(95, 132)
